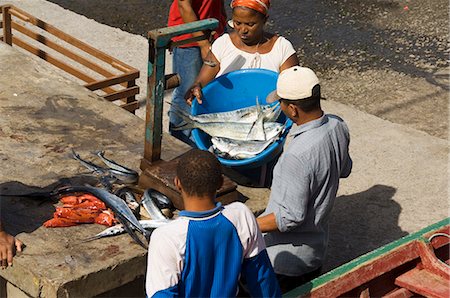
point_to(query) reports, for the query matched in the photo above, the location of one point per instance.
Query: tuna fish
(245, 115)
(256, 131)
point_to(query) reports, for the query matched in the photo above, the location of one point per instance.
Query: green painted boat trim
(360, 261)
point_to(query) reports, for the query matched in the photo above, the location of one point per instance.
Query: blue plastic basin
(236, 90)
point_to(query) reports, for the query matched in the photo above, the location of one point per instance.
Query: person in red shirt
(188, 59)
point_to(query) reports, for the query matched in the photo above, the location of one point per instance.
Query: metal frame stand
(156, 173)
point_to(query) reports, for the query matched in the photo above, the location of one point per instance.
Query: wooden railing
(97, 71)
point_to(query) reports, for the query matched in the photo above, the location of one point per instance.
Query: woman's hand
(194, 91)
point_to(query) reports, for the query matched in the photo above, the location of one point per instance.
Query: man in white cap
(305, 180)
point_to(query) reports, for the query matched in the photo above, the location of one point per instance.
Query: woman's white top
(231, 58)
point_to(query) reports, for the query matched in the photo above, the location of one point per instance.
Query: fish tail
(190, 123)
(183, 127)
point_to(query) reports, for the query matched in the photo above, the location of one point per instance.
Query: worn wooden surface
(160, 176)
(43, 116)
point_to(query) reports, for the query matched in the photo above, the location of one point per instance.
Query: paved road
(387, 58)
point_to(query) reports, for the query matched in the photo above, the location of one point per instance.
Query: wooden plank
(7, 35)
(132, 98)
(155, 96)
(424, 283)
(56, 62)
(160, 176)
(131, 106)
(431, 262)
(114, 80)
(64, 51)
(122, 93)
(49, 58)
(399, 293)
(69, 39)
(186, 41)
(165, 35)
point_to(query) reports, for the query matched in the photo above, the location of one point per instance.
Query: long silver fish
(109, 175)
(245, 115)
(89, 165)
(233, 149)
(234, 130)
(148, 224)
(118, 206)
(150, 205)
(114, 165)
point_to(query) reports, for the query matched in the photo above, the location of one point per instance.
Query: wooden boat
(415, 265)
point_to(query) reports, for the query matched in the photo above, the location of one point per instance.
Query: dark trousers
(288, 283)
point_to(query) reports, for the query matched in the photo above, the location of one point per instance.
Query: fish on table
(114, 172)
(123, 213)
(149, 201)
(148, 224)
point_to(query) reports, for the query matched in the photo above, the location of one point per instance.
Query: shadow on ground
(361, 223)
(24, 208)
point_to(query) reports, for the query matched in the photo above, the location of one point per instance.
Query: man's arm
(267, 223)
(289, 197)
(189, 15)
(8, 246)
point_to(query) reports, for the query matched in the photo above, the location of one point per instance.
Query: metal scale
(156, 173)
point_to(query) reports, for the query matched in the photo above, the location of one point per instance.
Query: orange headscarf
(259, 5)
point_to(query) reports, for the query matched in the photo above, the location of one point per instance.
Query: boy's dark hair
(200, 173)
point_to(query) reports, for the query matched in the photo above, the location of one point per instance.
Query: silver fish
(123, 177)
(244, 115)
(114, 165)
(150, 205)
(127, 194)
(109, 175)
(162, 201)
(257, 131)
(89, 165)
(233, 149)
(119, 229)
(118, 206)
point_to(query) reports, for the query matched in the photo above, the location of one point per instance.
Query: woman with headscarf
(248, 46)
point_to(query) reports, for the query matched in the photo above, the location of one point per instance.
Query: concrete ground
(399, 182)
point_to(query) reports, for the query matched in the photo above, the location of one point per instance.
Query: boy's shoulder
(237, 206)
(173, 230)
(238, 212)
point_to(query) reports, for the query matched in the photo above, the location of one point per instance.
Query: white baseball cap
(294, 83)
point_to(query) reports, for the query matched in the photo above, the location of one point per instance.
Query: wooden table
(43, 116)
